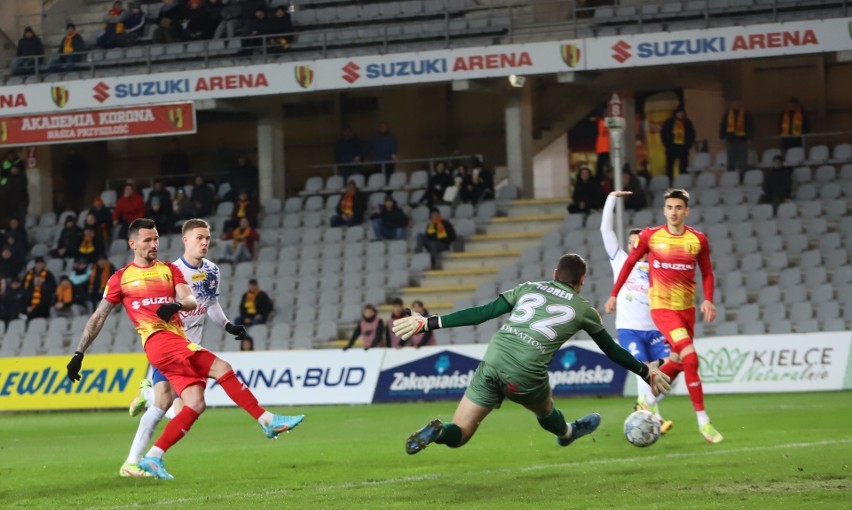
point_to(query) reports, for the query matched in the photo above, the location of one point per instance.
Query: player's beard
(151, 255)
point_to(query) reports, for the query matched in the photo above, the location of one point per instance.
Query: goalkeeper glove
(75, 365)
(166, 312)
(238, 331)
(407, 327)
(659, 382)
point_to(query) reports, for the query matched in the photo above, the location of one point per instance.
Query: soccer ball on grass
(642, 428)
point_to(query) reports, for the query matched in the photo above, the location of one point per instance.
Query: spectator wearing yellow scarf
(437, 238)
(737, 128)
(793, 124)
(678, 135)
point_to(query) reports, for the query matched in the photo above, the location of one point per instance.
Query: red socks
(241, 395)
(671, 369)
(177, 428)
(693, 381)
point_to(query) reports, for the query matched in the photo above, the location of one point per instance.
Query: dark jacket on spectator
(77, 44)
(280, 25)
(30, 46)
(262, 304)
(394, 218)
(9, 267)
(199, 23)
(432, 232)
(69, 241)
(203, 197)
(359, 205)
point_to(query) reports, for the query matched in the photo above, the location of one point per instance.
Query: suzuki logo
(621, 52)
(350, 72)
(101, 93)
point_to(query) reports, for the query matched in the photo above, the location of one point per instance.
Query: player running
(544, 315)
(203, 278)
(673, 251)
(152, 293)
(636, 330)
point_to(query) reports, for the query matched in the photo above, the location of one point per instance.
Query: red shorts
(677, 326)
(182, 362)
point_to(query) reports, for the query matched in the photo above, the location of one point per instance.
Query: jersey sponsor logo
(162, 300)
(525, 337)
(197, 277)
(197, 311)
(679, 335)
(674, 266)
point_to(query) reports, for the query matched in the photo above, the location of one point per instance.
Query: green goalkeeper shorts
(490, 386)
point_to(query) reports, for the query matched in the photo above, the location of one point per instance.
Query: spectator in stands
(134, 25)
(245, 207)
(607, 181)
(18, 192)
(174, 164)
(777, 184)
(383, 148)
(158, 190)
(114, 27)
(350, 208)
(79, 277)
(677, 135)
(12, 305)
(63, 300)
(241, 247)
(389, 221)
(478, 186)
(602, 146)
(638, 200)
(197, 23)
(437, 238)
(247, 344)
(9, 267)
(587, 195)
(91, 246)
(39, 270)
(256, 28)
(69, 51)
(103, 217)
(18, 251)
(75, 174)
(737, 128)
(242, 177)
(203, 198)
(18, 232)
(439, 181)
(30, 48)
(70, 237)
(168, 24)
(397, 312)
(181, 204)
(101, 271)
(281, 28)
(792, 124)
(348, 149)
(38, 297)
(371, 330)
(255, 306)
(129, 206)
(229, 18)
(421, 339)
(161, 214)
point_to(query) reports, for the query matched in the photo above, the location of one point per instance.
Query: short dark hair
(138, 224)
(368, 306)
(194, 223)
(570, 269)
(434, 210)
(397, 301)
(634, 231)
(681, 194)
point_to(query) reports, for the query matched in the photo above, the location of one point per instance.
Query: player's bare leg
(552, 420)
(455, 434)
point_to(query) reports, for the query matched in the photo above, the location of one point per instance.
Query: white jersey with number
(632, 309)
(204, 282)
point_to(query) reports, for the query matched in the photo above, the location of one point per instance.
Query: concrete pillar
(628, 103)
(519, 143)
(270, 153)
(40, 179)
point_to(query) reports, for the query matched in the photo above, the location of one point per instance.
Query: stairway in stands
(520, 225)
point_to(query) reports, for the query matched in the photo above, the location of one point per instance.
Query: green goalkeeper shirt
(544, 315)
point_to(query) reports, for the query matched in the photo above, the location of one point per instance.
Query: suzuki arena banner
(304, 377)
(444, 372)
(90, 125)
(41, 383)
(772, 363)
(723, 43)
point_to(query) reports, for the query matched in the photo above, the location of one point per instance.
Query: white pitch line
(535, 467)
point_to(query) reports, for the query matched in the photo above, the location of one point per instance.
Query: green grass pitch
(780, 451)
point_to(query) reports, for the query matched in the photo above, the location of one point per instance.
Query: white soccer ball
(642, 428)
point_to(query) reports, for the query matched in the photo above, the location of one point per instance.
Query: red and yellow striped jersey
(672, 259)
(142, 290)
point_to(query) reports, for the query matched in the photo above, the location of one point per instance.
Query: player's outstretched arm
(610, 239)
(215, 312)
(90, 332)
(407, 327)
